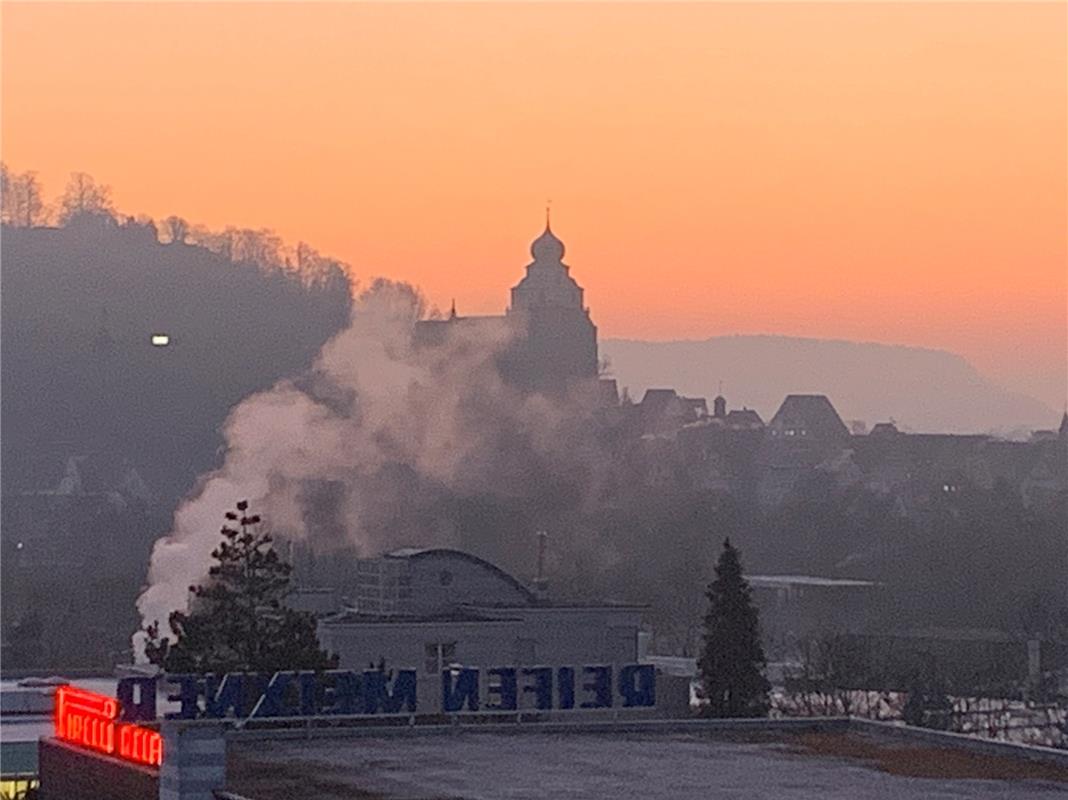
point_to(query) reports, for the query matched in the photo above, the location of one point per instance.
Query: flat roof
(550, 605)
(442, 618)
(768, 581)
(658, 766)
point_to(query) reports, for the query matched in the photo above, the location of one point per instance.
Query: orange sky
(886, 172)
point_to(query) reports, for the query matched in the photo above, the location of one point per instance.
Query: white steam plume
(371, 403)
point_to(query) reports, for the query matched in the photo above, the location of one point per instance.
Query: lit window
(160, 340)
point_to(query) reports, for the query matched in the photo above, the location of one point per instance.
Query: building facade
(434, 609)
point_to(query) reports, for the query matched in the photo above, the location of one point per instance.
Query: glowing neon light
(90, 720)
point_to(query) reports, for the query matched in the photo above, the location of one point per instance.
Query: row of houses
(674, 441)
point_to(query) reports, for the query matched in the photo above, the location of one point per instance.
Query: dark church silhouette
(553, 340)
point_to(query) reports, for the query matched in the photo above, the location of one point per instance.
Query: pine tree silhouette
(238, 621)
(732, 661)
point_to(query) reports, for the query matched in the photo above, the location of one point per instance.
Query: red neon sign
(90, 720)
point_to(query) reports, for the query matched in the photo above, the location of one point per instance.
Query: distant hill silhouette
(81, 376)
(923, 390)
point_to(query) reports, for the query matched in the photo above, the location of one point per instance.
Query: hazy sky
(886, 172)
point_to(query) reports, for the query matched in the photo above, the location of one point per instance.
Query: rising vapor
(397, 433)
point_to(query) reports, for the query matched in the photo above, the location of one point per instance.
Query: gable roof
(812, 413)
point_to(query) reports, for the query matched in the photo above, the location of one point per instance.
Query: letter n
(465, 689)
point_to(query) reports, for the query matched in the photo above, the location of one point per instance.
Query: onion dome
(547, 247)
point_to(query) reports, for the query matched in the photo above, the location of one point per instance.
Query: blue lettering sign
(341, 692)
(505, 689)
(307, 693)
(221, 696)
(542, 688)
(378, 694)
(637, 685)
(601, 686)
(565, 688)
(309, 690)
(187, 694)
(466, 689)
(137, 699)
(272, 702)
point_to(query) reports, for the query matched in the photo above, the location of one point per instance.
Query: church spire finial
(548, 208)
(452, 312)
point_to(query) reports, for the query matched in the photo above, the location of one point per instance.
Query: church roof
(547, 281)
(547, 248)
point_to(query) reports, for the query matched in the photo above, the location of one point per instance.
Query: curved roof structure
(413, 553)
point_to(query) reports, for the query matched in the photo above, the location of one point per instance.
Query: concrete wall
(566, 636)
(194, 760)
(402, 645)
(518, 637)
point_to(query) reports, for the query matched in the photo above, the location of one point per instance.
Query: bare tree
(222, 242)
(176, 230)
(6, 189)
(22, 203)
(314, 268)
(33, 206)
(84, 195)
(262, 247)
(307, 257)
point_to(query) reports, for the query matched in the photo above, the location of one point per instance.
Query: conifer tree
(237, 620)
(732, 661)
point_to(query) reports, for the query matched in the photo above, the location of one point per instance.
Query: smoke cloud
(382, 444)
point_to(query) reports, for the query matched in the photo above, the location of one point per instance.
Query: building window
(438, 655)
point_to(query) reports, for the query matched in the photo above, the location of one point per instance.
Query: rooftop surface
(534, 765)
(773, 581)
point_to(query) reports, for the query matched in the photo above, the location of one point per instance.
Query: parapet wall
(959, 741)
(71, 773)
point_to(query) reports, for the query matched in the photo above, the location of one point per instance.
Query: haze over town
(613, 367)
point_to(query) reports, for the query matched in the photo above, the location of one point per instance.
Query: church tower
(556, 342)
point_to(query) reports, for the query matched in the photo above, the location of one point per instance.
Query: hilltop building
(553, 340)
